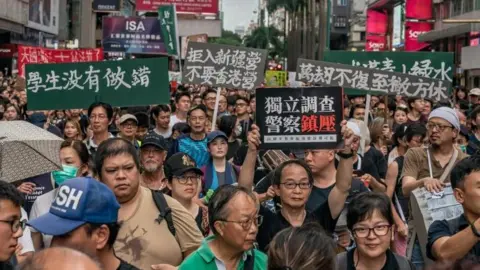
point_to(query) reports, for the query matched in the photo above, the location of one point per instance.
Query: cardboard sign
(300, 118)
(384, 82)
(124, 83)
(224, 66)
(274, 78)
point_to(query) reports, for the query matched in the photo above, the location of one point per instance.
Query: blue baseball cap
(78, 201)
(216, 134)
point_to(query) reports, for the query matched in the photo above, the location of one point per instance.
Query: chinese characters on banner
(331, 74)
(38, 55)
(300, 118)
(274, 78)
(190, 6)
(167, 18)
(224, 66)
(121, 83)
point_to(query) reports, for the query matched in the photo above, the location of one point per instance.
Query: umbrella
(27, 150)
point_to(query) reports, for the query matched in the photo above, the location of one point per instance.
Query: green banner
(167, 18)
(123, 83)
(434, 65)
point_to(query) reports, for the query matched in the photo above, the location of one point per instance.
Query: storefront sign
(376, 43)
(106, 5)
(413, 30)
(190, 6)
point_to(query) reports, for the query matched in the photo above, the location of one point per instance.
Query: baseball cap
(78, 201)
(474, 92)
(155, 140)
(180, 163)
(216, 134)
(127, 117)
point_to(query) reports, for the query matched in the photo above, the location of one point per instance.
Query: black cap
(156, 140)
(180, 163)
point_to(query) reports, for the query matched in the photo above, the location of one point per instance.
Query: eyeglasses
(379, 230)
(431, 126)
(247, 224)
(15, 224)
(184, 179)
(129, 125)
(99, 117)
(293, 185)
(241, 104)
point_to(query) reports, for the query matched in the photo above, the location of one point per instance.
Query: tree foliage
(267, 38)
(227, 38)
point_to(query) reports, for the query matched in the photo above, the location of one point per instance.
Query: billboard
(398, 26)
(106, 5)
(190, 6)
(132, 35)
(43, 15)
(418, 9)
(377, 22)
(414, 29)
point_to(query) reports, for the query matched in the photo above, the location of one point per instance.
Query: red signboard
(412, 31)
(376, 43)
(7, 50)
(377, 22)
(418, 9)
(183, 6)
(38, 55)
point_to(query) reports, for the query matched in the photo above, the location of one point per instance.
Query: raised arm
(339, 193)
(247, 172)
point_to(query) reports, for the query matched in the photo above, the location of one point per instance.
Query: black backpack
(165, 210)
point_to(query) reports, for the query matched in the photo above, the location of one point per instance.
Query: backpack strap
(342, 261)
(403, 263)
(165, 211)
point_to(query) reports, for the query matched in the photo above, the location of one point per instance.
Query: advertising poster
(190, 6)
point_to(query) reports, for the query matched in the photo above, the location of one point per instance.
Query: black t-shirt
(233, 148)
(273, 223)
(319, 196)
(374, 156)
(390, 264)
(126, 266)
(6, 266)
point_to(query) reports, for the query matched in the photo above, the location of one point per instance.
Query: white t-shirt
(165, 135)
(40, 207)
(26, 239)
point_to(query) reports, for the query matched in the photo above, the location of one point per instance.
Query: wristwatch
(474, 230)
(345, 155)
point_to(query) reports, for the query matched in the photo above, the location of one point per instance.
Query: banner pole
(215, 111)
(177, 42)
(367, 113)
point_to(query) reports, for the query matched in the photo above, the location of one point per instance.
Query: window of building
(477, 4)
(467, 6)
(362, 36)
(456, 7)
(342, 3)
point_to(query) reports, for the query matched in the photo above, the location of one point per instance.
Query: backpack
(165, 211)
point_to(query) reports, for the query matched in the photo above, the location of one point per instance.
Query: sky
(238, 12)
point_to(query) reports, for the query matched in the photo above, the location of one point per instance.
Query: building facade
(357, 25)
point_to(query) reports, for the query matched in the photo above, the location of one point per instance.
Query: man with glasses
(11, 225)
(243, 117)
(209, 97)
(128, 129)
(100, 115)
(423, 167)
(292, 182)
(84, 216)
(152, 155)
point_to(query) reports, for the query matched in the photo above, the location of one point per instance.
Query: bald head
(60, 258)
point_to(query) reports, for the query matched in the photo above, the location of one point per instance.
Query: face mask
(67, 173)
(463, 148)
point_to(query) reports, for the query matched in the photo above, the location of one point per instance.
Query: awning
(11, 26)
(449, 32)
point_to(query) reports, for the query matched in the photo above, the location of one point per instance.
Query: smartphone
(358, 173)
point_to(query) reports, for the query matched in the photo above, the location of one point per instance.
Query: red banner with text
(412, 31)
(190, 6)
(376, 43)
(38, 55)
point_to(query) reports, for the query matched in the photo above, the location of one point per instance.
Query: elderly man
(152, 155)
(83, 216)
(156, 228)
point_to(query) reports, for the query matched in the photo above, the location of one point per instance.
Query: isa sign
(132, 35)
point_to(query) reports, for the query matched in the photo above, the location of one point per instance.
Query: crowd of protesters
(155, 188)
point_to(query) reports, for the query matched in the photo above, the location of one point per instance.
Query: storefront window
(456, 7)
(477, 4)
(467, 6)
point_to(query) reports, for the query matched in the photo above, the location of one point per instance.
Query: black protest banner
(379, 81)
(300, 118)
(224, 66)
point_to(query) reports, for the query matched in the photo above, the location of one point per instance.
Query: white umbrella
(27, 150)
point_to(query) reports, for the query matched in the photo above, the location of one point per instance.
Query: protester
(218, 172)
(416, 106)
(100, 115)
(427, 167)
(11, 226)
(234, 220)
(474, 140)
(357, 99)
(72, 130)
(161, 115)
(253, 104)
(183, 181)
(197, 100)
(74, 157)
(369, 218)
(457, 239)
(89, 224)
(222, 106)
(143, 125)
(358, 112)
(12, 112)
(138, 242)
(292, 182)
(60, 258)
(243, 117)
(195, 143)
(209, 97)
(474, 95)
(227, 125)
(182, 106)
(427, 109)
(400, 116)
(42, 121)
(307, 247)
(128, 129)
(152, 156)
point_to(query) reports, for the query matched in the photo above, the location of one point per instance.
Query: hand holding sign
(348, 137)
